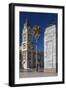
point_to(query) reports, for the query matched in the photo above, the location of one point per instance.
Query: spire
(27, 23)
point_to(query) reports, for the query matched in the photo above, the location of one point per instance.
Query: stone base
(50, 70)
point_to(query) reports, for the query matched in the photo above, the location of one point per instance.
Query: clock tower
(27, 46)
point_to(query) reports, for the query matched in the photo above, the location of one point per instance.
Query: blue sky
(41, 19)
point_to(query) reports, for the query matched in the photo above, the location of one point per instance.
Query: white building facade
(50, 48)
(25, 47)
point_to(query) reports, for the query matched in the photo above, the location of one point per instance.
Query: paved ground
(36, 74)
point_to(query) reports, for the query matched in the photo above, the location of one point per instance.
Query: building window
(24, 45)
(24, 55)
(24, 37)
(29, 56)
(29, 36)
